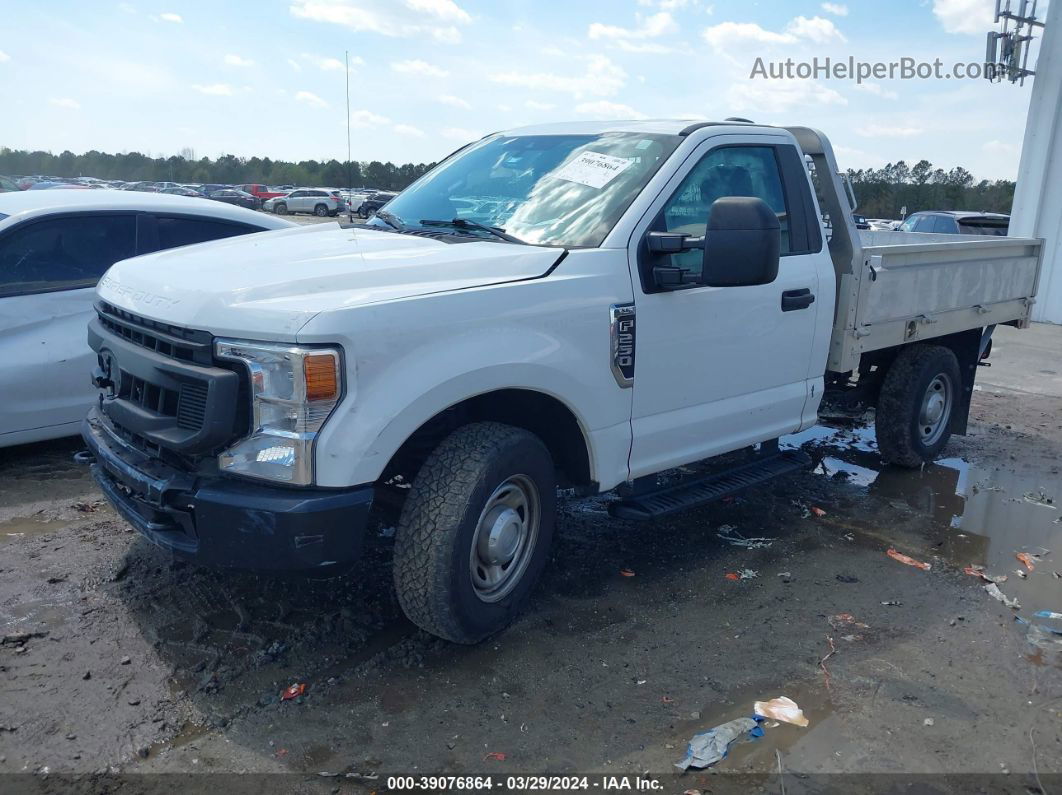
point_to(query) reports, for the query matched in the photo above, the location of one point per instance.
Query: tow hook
(84, 457)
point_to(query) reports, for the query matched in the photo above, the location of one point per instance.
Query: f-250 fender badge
(622, 329)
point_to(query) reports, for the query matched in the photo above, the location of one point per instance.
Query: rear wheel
(475, 531)
(320, 211)
(916, 405)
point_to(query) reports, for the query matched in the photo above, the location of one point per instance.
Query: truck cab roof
(649, 126)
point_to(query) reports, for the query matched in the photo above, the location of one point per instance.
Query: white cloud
(418, 67)
(294, 64)
(735, 35)
(327, 64)
(436, 19)
(644, 47)
(877, 90)
(459, 134)
(4, 57)
(311, 99)
(602, 78)
(743, 33)
(603, 109)
(762, 97)
(454, 102)
(366, 118)
(65, 102)
(409, 129)
(888, 131)
(965, 16)
(837, 9)
(215, 89)
(649, 28)
(169, 16)
(236, 60)
(532, 104)
(817, 29)
(1000, 148)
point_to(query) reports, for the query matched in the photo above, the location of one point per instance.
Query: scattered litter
(845, 620)
(709, 747)
(1030, 561)
(667, 700)
(1058, 576)
(805, 511)
(732, 575)
(892, 553)
(817, 511)
(782, 708)
(294, 691)
(387, 532)
(730, 534)
(892, 603)
(847, 579)
(1040, 498)
(497, 756)
(86, 507)
(786, 574)
(998, 595)
(1043, 638)
(626, 572)
(1047, 614)
(822, 662)
(748, 574)
(928, 722)
(979, 572)
(1020, 573)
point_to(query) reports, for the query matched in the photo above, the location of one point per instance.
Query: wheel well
(546, 417)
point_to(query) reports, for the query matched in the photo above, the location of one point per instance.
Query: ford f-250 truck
(581, 305)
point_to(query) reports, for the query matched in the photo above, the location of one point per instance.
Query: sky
(267, 77)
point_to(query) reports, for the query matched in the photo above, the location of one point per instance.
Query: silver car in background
(318, 201)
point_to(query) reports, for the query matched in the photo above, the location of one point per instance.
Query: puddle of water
(981, 511)
(27, 527)
(823, 729)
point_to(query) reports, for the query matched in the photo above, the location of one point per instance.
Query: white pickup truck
(580, 305)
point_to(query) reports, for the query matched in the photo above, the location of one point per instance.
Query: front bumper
(225, 522)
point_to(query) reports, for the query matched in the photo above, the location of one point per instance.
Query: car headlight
(293, 390)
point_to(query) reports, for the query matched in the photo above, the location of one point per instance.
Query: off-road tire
(320, 211)
(896, 423)
(433, 540)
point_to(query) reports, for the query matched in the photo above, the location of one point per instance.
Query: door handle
(797, 299)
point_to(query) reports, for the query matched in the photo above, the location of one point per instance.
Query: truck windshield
(555, 190)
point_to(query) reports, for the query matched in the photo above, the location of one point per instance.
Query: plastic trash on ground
(979, 572)
(999, 596)
(730, 534)
(892, 553)
(292, 692)
(783, 709)
(709, 747)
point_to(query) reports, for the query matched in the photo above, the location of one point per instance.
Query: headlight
(293, 390)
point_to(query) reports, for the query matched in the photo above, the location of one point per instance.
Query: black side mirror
(741, 244)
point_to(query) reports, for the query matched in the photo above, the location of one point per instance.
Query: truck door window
(726, 171)
(64, 253)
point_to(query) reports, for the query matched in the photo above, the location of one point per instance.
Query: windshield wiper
(391, 220)
(464, 223)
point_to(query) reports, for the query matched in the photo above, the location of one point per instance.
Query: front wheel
(280, 209)
(475, 531)
(917, 404)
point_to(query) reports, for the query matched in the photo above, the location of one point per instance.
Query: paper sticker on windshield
(593, 169)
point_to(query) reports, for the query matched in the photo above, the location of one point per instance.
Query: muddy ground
(117, 659)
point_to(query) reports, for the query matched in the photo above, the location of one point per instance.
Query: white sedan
(54, 246)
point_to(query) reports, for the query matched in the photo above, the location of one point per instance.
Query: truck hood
(268, 285)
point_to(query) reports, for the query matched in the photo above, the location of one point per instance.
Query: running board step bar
(699, 491)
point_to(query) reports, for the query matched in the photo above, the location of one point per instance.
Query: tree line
(226, 169)
(882, 192)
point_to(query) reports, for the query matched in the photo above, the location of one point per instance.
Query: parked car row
(54, 247)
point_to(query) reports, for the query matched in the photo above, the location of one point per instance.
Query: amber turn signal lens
(320, 372)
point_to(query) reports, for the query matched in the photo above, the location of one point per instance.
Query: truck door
(719, 368)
